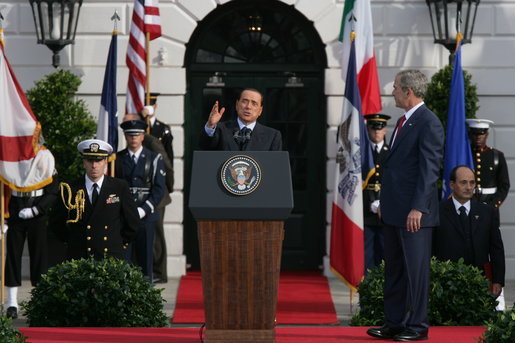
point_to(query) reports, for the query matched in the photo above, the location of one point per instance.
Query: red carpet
(304, 298)
(191, 335)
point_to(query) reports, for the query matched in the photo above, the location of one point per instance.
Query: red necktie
(399, 127)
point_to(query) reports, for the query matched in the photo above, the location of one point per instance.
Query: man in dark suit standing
(469, 229)
(374, 238)
(409, 209)
(97, 213)
(144, 171)
(245, 133)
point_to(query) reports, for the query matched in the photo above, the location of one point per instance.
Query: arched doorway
(269, 46)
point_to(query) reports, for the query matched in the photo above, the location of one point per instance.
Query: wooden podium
(240, 242)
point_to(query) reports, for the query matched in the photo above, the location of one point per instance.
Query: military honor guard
(97, 214)
(374, 239)
(492, 179)
(28, 222)
(163, 133)
(145, 173)
(490, 169)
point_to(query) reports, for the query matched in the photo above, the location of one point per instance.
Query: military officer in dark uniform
(492, 179)
(374, 242)
(96, 213)
(491, 172)
(162, 132)
(145, 173)
(28, 222)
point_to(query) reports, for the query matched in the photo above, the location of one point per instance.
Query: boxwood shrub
(458, 296)
(501, 329)
(88, 292)
(8, 333)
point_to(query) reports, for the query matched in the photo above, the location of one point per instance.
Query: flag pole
(115, 18)
(2, 204)
(147, 81)
(2, 238)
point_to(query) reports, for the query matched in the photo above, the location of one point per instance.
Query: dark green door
(299, 113)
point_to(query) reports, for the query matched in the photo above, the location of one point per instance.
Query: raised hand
(215, 116)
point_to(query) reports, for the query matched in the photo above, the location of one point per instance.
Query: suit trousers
(407, 268)
(141, 249)
(160, 254)
(35, 231)
(374, 246)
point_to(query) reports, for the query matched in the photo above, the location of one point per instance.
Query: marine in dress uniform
(491, 171)
(374, 240)
(97, 214)
(145, 173)
(163, 133)
(28, 221)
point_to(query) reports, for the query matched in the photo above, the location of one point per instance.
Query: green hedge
(501, 329)
(8, 333)
(87, 292)
(458, 296)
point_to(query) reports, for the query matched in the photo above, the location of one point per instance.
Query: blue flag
(457, 145)
(107, 128)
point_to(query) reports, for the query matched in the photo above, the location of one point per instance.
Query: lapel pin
(476, 217)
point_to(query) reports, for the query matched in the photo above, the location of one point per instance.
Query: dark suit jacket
(412, 169)
(104, 229)
(263, 138)
(449, 238)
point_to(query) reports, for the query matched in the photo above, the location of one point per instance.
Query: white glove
(141, 213)
(374, 205)
(149, 109)
(5, 228)
(28, 213)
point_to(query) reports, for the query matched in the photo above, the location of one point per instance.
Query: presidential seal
(240, 175)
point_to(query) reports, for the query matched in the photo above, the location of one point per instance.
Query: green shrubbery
(458, 296)
(107, 293)
(439, 88)
(9, 334)
(65, 120)
(501, 329)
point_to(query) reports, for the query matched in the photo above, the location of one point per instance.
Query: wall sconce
(216, 80)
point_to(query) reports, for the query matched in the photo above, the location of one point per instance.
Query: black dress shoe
(384, 332)
(12, 312)
(410, 335)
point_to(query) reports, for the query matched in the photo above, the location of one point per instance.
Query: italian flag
(357, 17)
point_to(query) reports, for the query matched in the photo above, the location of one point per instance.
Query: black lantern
(448, 17)
(56, 23)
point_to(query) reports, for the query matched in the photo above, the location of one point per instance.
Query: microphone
(242, 136)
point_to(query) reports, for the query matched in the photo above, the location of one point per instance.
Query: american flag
(145, 18)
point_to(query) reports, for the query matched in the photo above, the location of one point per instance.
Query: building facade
(204, 54)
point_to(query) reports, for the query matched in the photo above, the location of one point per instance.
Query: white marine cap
(94, 149)
(479, 123)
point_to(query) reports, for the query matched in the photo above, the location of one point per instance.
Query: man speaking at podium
(243, 134)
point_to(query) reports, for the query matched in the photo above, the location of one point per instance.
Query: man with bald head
(469, 229)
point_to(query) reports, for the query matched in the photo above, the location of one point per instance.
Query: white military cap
(94, 149)
(479, 125)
